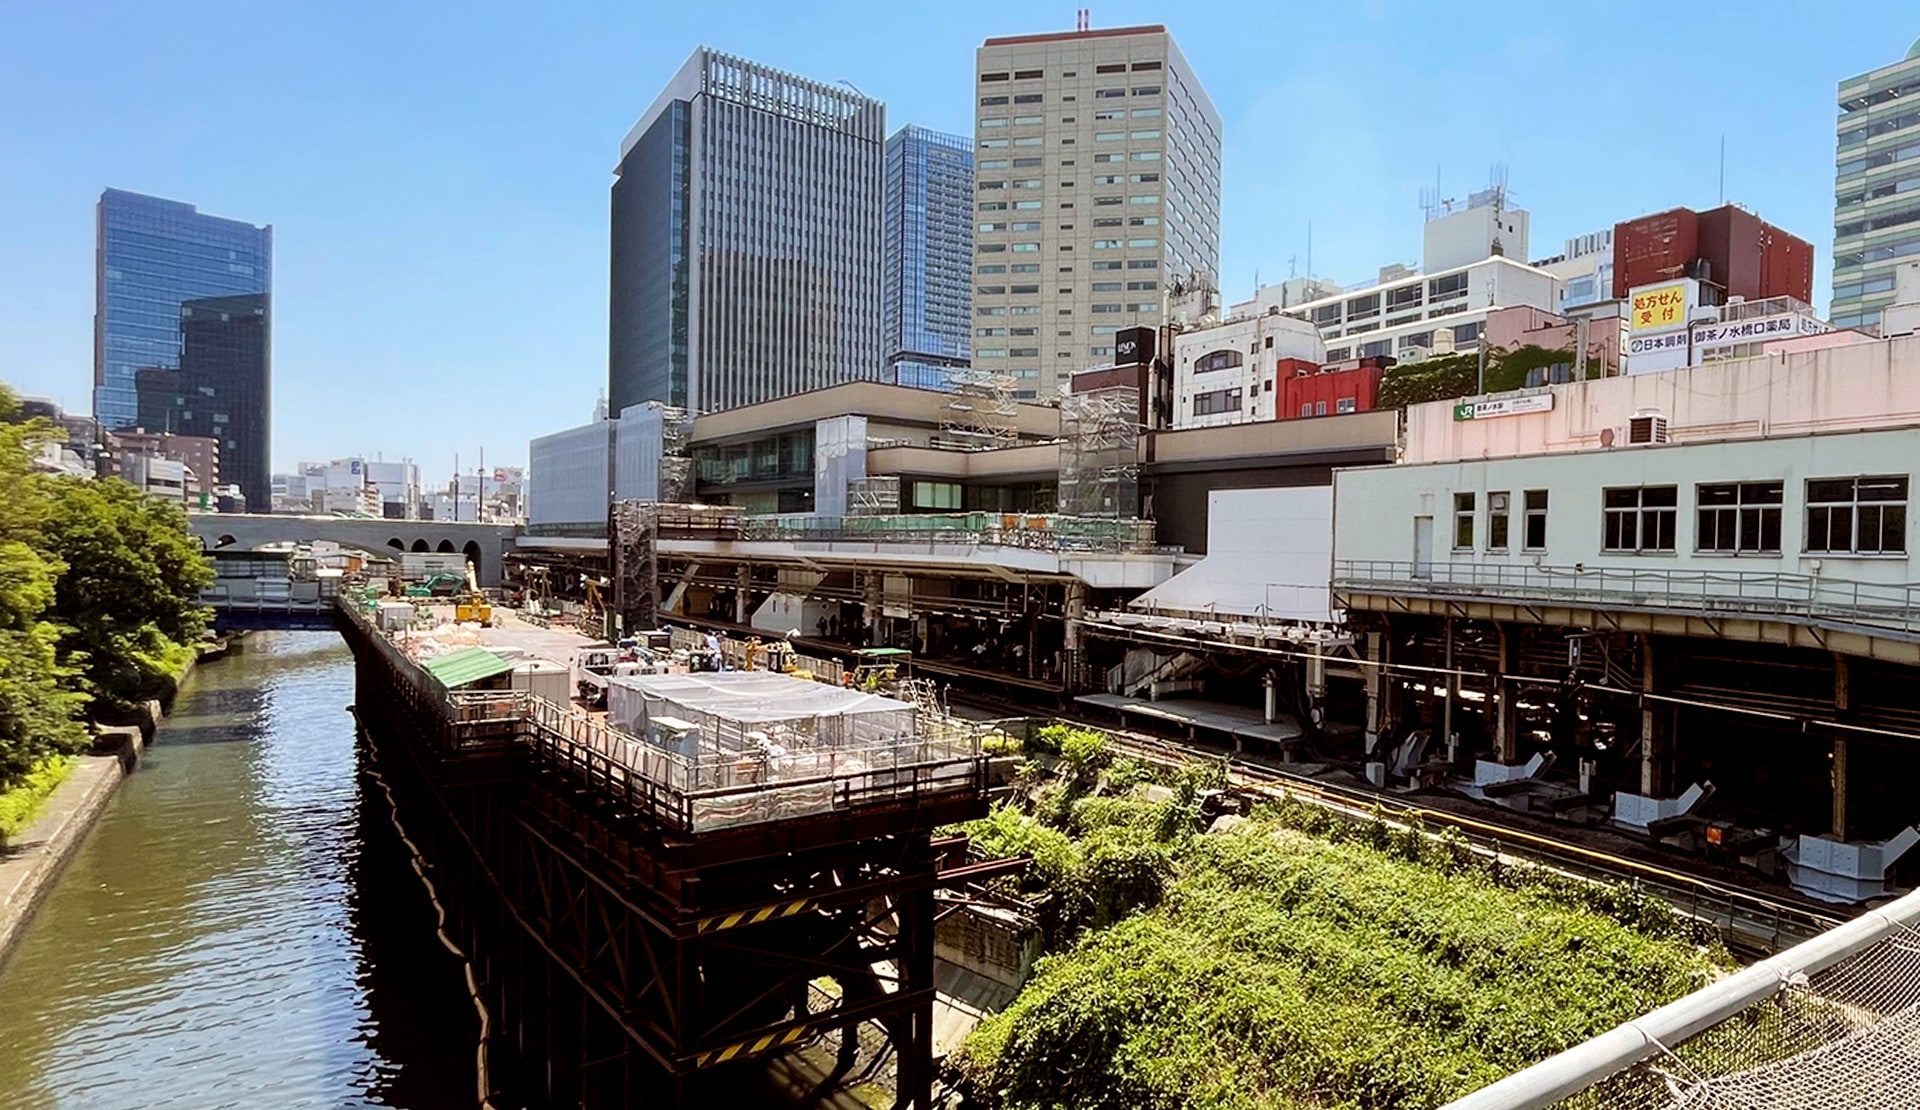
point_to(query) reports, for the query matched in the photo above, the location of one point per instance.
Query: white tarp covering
(1269, 554)
(726, 703)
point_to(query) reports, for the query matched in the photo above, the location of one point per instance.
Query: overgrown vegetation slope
(97, 598)
(1299, 961)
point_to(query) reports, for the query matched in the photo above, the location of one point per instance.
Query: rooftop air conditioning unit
(1647, 427)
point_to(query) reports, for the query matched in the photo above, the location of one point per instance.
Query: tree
(38, 705)
(128, 600)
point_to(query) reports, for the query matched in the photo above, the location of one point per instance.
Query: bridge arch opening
(396, 544)
(445, 548)
(421, 545)
(472, 552)
(226, 540)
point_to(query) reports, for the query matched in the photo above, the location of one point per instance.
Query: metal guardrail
(1031, 531)
(1894, 606)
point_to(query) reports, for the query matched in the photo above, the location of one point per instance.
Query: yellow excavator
(475, 607)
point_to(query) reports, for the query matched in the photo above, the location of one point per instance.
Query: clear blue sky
(437, 175)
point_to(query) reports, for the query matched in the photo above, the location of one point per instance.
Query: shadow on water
(242, 928)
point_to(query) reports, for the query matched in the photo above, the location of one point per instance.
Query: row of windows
(1857, 135)
(1895, 218)
(1844, 516)
(1037, 74)
(1877, 159)
(1218, 401)
(1319, 408)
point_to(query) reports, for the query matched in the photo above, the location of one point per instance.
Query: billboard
(1660, 307)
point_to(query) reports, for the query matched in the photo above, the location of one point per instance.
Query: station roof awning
(465, 667)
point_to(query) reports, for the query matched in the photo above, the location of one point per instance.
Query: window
(1026, 205)
(1020, 289)
(989, 331)
(990, 290)
(1143, 200)
(1146, 156)
(1144, 221)
(1026, 310)
(992, 227)
(1146, 90)
(1033, 140)
(1027, 121)
(1027, 183)
(1450, 286)
(1220, 400)
(1142, 264)
(1346, 404)
(1028, 74)
(985, 77)
(1108, 136)
(992, 144)
(991, 310)
(1144, 135)
(993, 206)
(1306, 408)
(1106, 244)
(1138, 66)
(991, 248)
(1108, 94)
(993, 164)
(1028, 163)
(1107, 179)
(1023, 331)
(1146, 113)
(994, 269)
(936, 495)
(1144, 178)
(1105, 329)
(1109, 157)
(1029, 98)
(1026, 225)
(1106, 265)
(994, 121)
(1025, 268)
(989, 352)
(1142, 244)
(1534, 538)
(990, 101)
(1101, 308)
(985, 185)
(1462, 521)
(1110, 221)
(1217, 360)
(1027, 247)
(1639, 518)
(1143, 307)
(1024, 352)
(1866, 516)
(1106, 114)
(1739, 518)
(1145, 286)
(1118, 67)
(1106, 287)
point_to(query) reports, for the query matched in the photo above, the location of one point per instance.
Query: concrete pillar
(1655, 727)
(873, 595)
(1842, 709)
(1506, 707)
(1076, 610)
(1451, 691)
(1381, 712)
(742, 591)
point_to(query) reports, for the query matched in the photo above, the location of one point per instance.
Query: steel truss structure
(625, 964)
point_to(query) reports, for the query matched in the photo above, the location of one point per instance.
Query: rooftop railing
(1893, 607)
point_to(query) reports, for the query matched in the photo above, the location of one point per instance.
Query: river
(241, 929)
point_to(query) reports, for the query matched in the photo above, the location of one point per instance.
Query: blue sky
(437, 175)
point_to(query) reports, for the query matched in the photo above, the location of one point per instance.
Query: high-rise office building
(219, 391)
(927, 314)
(746, 260)
(1876, 216)
(1097, 187)
(152, 258)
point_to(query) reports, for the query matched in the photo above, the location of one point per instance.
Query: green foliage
(98, 597)
(1281, 969)
(20, 805)
(1440, 378)
(128, 600)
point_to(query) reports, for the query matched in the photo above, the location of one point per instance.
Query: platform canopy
(465, 667)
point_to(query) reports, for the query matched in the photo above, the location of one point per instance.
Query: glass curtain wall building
(1097, 188)
(1876, 203)
(926, 317)
(155, 260)
(746, 231)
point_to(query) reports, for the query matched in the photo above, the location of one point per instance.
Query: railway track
(1751, 921)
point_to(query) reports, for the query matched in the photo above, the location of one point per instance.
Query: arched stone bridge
(484, 544)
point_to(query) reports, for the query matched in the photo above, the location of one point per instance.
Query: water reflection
(241, 929)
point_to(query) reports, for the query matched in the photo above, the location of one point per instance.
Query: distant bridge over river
(483, 544)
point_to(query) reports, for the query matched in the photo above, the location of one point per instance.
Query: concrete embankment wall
(32, 863)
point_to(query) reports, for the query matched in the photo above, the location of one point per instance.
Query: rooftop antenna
(1309, 248)
(1723, 167)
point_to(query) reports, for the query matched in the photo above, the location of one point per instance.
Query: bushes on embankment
(1301, 960)
(98, 589)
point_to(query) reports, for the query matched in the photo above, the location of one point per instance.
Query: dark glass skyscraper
(746, 240)
(183, 313)
(927, 307)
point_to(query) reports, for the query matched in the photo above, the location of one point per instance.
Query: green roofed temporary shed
(466, 667)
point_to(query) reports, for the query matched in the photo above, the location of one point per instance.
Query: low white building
(1226, 373)
(1399, 317)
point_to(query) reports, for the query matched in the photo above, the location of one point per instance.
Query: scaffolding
(1100, 453)
(980, 412)
(676, 463)
(874, 495)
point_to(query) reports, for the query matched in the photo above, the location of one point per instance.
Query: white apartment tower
(1097, 178)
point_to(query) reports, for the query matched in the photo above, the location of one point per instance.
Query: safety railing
(1031, 531)
(1889, 606)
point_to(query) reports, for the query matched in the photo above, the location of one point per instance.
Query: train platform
(1193, 714)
